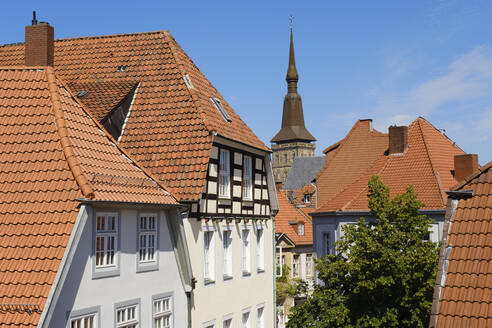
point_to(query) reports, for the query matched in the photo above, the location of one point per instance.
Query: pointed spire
(293, 128)
(292, 75)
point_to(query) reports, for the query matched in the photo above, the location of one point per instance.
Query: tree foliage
(288, 287)
(383, 273)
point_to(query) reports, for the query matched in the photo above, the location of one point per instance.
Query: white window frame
(146, 233)
(300, 229)
(227, 318)
(209, 255)
(247, 178)
(296, 265)
(109, 256)
(309, 265)
(307, 198)
(227, 253)
(279, 262)
(260, 248)
(224, 184)
(93, 312)
(209, 324)
(248, 323)
(260, 320)
(124, 309)
(246, 251)
(163, 313)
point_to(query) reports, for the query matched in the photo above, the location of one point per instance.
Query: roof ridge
(453, 143)
(61, 128)
(114, 142)
(434, 172)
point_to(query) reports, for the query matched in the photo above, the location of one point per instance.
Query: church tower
(293, 140)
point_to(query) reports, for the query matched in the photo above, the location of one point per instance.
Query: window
(279, 266)
(88, 321)
(247, 178)
(227, 253)
(295, 266)
(86, 318)
(162, 312)
(326, 243)
(224, 174)
(245, 320)
(227, 323)
(307, 198)
(300, 229)
(209, 256)
(106, 239)
(221, 109)
(246, 253)
(147, 224)
(309, 264)
(260, 318)
(127, 317)
(260, 250)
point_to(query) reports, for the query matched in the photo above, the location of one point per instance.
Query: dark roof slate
(303, 171)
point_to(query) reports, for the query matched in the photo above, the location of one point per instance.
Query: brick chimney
(464, 165)
(39, 46)
(398, 139)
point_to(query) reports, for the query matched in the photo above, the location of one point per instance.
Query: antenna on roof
(291, 19)
(34, 20)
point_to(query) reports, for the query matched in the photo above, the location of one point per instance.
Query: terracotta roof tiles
(52, 152)
(466, 297)
(289, 212)
(427, 164)
(170, 127)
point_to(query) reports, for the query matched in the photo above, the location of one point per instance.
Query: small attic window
(82, 93)
(121, 68)
(187, 80)
(221, 109)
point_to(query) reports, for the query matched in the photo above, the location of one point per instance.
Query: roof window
(187, 80)
(221, 109)
(121, 68)
(82, 93)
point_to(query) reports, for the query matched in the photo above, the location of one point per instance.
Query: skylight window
(221, 109)
(187, 80)
(121, 68)
(82, 93)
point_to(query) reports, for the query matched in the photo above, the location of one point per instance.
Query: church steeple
(293, 128)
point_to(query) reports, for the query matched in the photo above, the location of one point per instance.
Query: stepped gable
(347, 159)
(289, 212)
(52, 152)
(170, 127)
(427, 164)
(465, 296)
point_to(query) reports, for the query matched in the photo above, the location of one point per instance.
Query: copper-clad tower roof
(293, 128)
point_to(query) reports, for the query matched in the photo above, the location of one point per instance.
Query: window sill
(246, 273)
(208, 281)
(259, 270)
(227, 277)
(105, 272)
(147, 266)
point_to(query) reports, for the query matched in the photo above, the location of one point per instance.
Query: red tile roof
(288, 212)
(170, 127)
(349, 158)
(466, 298)
(52, 152)
(426, 164)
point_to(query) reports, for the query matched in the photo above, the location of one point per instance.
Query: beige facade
(231, 296)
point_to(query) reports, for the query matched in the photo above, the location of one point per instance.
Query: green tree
(288, 287)
(383, 273)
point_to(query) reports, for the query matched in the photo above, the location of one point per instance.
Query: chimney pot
(398, 139)
(464, 165)
(39, 45)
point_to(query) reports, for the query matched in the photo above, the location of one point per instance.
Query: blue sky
(391, 61)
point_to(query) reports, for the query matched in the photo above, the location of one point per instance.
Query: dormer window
(300, 229)
(221, 109)
(307, 198)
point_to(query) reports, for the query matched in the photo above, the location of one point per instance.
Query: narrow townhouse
(88, 238)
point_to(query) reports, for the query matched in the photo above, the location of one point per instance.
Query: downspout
(274, 275)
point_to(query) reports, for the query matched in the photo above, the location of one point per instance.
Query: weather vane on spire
(291, 19)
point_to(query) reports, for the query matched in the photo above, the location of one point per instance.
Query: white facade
(130, 289)
(218, 300)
